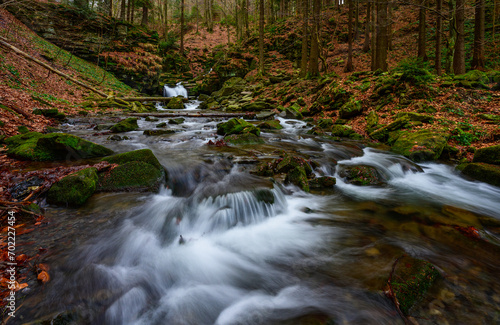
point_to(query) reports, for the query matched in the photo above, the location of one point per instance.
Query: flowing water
(255, 252)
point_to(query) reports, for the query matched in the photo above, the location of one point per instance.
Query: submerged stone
(176, 103)
(242, 139)
(54, 146)
(74, 189)
(271, 125)
(298, 177)
(128, 124)
(237, 126)
(157, 132)
(177, 121)
(411, 280)
(361, 175)
(322, 182)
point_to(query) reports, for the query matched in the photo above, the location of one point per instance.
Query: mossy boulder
(256, 106)
(494, 76)
(382, 134)
(271, 125)
(54, 146)
(237, 126)
(372, 120)
(361, 175)
(289, 162)
(325, 124)
(137, 170)
(483, 172)
(176, 103)
(324, 182)
(243, 139)
(51, 113)
(421, 145)
(489, 155)
(74, 189)
(411, 280)
(337, 98)
(128, 124)
(343, 131)
(416, 117)
(176, 121)
(231, 86)
(473, 79)
(151, 119)
(351, 109)
(298, 177)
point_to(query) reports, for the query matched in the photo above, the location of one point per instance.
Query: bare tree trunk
(479, 20)
(261, 37)
(145, 11)
(349, 66)
(356, 24)
(129, 9)
(182, 28)
(389, 25)
(374, 35)
(305, 18)
(314, 56)
(247, 9)
(439, 31)
(123, 9)
(165, 13)
(381, 59)
(422, 53)
(459, 55)
(451, 39)
(197, 16)
(366, 45)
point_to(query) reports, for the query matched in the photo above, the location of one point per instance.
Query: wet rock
(264, 195)
(150, 119)
(51, 113)
(237, 126)
(288, 163)
(325, 124)
(291, 113)
(21, 190)
(128, 124)
(382, 133)
(161, 125)
(421, 145)
(101, 127)
(176, 121)
(361, 175)
(298, 177)
(176, 103)
(265, 115)
(271, 125)
(242, 139)
(116, 137)
(55, 146)
(483, 172)
(157, 132)
(74, 189)
(489, 155)
(343, 131)
(325, 182)
(351, 109)
(257, 106)
(411, 280)
(316, 130)
(138, 170)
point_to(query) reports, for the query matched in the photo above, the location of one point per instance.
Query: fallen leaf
(43, 276)
(21, 258)
(43, 267)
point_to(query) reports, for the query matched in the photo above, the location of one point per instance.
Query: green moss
(74, 189)
(271, 125)
(483, 172)
(325, 124)
(343, 131)
(264, 195)
(55, 146)
(371, 120)
(176, 121)
(421, 145)
(161, 125)
(361, 175)
(351, 109)
(489, 155)
(298, 177)
(415, 117)
(129, 124)
(134, 175)
(158, 132)
(237, 126)
(322, 182)
(144, 155)
(176, 103)
(382, 134)
(22, 129)
(291, 162)
(256, 106)
(411, 281)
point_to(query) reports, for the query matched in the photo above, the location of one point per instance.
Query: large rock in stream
(137, 170)
(237, 126)
(485, 166)
(128, 124)
(421, 145)
(54, 146)
(74, 189)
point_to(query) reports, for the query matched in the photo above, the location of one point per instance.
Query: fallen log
(145, 99)
(3, 41)
(195, 114)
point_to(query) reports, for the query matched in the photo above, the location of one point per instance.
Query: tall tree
(83, 4)
(381, 48)
(349, 66)
(356, 24)
(452, 36)
(366, 45)
(478, 52)
(314, 55)
(422, 53)
(439, 32)
(305, 18)
(165, 15)
(261, 37)
(182, 28)
(374, 35)
(123, 9)
(145, 12)
(459, 55)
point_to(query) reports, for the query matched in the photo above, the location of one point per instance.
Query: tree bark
(349, 66)
(459, 55)
(305, 18)
(381, 56)
(356, 24)
(314, 56)
(389, 25)
(422, 53)
(123, 8)
(145, 13)
(374, 35)
(261, 37)
(366, 45)
(478, 51)
(165, 13)
(439, 31)
(181, 50)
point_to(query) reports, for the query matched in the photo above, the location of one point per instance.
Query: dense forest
(250, 162)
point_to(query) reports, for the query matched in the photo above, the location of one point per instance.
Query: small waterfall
(176, 91)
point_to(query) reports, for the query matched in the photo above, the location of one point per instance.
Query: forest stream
(254, 251)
